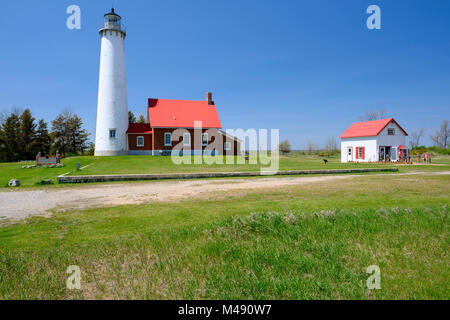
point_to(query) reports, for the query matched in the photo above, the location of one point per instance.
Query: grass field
(149, 164)
(298, 242)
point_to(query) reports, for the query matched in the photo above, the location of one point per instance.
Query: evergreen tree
(131, 117)
(27, 136)
(10, 138)
(141, 119)
(77, 136)
(43, 139)
(59, 133)
(68, 134)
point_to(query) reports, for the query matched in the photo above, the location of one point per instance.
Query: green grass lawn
(299, 242)
(149, 164)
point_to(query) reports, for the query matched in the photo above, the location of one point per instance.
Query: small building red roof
(142, 128)
(164, 113)
(368, 128)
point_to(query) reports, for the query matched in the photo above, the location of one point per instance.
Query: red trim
(393, 120)
(139, 128)
(363, 153)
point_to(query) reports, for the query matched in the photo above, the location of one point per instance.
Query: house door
(382, 154)
(349, 154)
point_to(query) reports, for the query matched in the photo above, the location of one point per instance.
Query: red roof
(139, 128)
(166, 113)
(368, 128)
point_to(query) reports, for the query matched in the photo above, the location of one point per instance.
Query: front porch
(393, 154)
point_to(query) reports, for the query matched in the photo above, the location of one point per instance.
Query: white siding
(369, 143)
(112, 108)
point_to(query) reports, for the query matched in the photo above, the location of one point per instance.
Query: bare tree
(331, 146)
(373, 115)
(285, 147)
(415, 137)
(3, 116)
(442, 135)
(14, 110)
(310, 147)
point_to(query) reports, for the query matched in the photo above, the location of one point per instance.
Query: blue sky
(309, 68)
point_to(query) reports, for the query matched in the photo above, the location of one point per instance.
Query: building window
(140, 142)
(168, 139)
(186, 139)
(227, 146)
(205, 139)
(391, 132)
(112, 133)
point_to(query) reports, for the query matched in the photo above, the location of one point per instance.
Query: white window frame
(115, 133)
(227, 146)
(186, 139)
(165, 140)
(205, 134)
(137, 141)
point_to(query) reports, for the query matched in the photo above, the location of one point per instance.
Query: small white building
(373, 141)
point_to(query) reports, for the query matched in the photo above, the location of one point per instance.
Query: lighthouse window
(140, 141)
(168, 139)
(112, 133)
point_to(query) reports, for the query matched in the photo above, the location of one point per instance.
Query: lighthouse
(112, 107)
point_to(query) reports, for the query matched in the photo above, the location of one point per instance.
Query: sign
(46, 161)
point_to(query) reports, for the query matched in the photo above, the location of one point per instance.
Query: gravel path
(16, 205)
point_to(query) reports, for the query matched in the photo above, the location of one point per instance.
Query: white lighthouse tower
(112, 108)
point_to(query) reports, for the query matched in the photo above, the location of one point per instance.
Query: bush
(44, 182)
(433, 150)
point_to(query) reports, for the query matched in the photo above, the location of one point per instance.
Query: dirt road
(16, 205)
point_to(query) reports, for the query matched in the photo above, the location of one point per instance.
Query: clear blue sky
(309, 68)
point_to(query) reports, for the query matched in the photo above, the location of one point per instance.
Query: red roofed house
(373, 141)
(172, 125)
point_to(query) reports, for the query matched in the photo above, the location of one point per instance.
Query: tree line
(22, 137)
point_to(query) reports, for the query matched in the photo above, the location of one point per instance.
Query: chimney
(209, 99)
